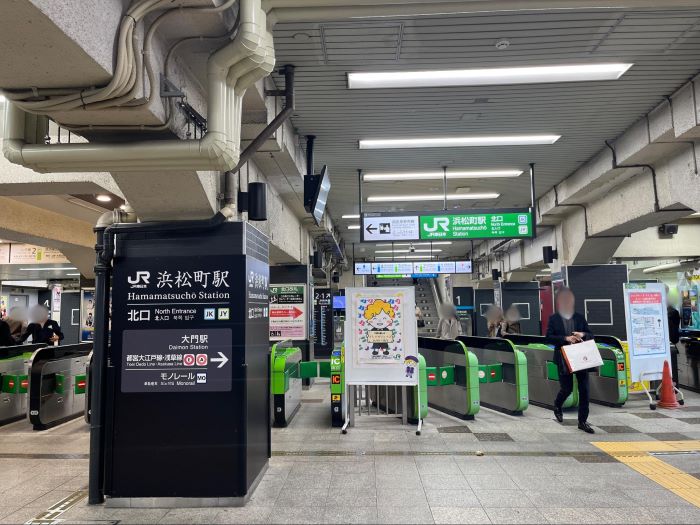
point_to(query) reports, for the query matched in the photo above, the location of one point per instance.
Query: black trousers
(566, 381)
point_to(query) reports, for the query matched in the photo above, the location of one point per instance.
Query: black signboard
(189, 374)
(323, 322)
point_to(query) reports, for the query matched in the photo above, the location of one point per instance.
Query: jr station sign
(434, 226)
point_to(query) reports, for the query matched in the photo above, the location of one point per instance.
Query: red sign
(293, 312)
(81, 383)
(188, 359)
(335, 379)
(431, 377)
(645, 298)
(493, 373)
(202, 359)
(24, 383)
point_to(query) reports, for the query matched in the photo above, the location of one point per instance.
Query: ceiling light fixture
(40, 269)
(432, 197)
(487, 76)
(404, 257)
(103, 198)
(438, 174)
(459, 142)
(354, 227)
(414, 243)
(351, 216)
(408, 251)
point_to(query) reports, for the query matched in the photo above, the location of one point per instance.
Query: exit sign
(496, 225)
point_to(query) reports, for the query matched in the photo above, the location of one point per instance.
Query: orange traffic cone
(668, 395)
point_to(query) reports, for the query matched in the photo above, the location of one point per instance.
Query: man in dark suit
(568, 327)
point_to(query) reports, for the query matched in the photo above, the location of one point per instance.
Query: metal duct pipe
(341, 10)
(310, 154)
(230, 71)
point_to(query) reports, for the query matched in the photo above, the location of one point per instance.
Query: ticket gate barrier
(542, 372)
(452, 377)
(502, 373)
(88, 389)
(14, 381)
(57, 384)
(285, 382)
(608, 383)
(689, 360)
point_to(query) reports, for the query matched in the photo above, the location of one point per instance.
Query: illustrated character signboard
(381, 336)
(379, 328)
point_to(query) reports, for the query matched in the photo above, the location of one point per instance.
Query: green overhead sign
(476, 226)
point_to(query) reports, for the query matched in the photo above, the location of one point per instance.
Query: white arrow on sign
(222, 360)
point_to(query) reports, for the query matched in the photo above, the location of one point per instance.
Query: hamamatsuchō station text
(184, 296)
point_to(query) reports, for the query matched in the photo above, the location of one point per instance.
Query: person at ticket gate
(41, 329)
(448, 326)
(567, 327)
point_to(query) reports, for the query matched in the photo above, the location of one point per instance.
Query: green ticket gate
(285, 382)
(14, 381)
(542, 372)
(452, 376)
(502, 373)
(608, 384)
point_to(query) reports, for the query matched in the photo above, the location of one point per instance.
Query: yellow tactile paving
(636, 456)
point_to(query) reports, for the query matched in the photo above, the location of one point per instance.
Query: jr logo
(441, 224)
(141, 278)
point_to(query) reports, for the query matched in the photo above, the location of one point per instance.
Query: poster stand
(647, 334)
(381, 349)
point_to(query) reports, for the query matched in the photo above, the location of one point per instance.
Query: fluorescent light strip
(404, 257)
(432, 175)
(433, 197)
(458, 142)
(354, 227)
(414, 243)
(408, 251)
(73, 273)
(47, 269)
(488, 76)
(353, 216)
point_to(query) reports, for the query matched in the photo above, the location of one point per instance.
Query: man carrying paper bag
(569, 329)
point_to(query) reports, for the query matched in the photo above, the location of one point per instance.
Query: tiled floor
(495, 469)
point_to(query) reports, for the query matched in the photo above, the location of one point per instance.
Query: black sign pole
(444, 188)
(532, 198)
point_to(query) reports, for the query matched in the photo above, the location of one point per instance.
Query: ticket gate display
(57, 384)
(14, 381)
(502, 373)
(285, 382)
(452, 377)
(542, 372)
(689, 360)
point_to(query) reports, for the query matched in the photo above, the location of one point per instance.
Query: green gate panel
(10, 384)
(308, 369)
(609, 368)
(324, 369)
(491, 373)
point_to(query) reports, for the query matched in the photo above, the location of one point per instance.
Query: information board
(288, 319)
(463, 267)
(363, 268)
(647, 329)
(323, 322)
(438, 225)
(393, 267)
(434, 267)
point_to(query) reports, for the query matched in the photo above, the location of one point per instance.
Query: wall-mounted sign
(87, 315)
(427, 226)
(288, 318)
(323, 322)
(398, 269)
(14, 253)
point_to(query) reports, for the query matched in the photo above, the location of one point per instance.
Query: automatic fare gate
(187, 400)
(607, 384)
(502, 373)
(14, 381)
(452, 371)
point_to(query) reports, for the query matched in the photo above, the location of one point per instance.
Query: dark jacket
(42, 334)
(6, 338)
(556, 335)
(674, 325)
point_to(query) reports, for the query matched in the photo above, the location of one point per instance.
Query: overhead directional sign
(397, 269)
(383, 228)
(434, 226)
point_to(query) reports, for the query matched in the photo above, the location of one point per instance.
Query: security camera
(411, 248)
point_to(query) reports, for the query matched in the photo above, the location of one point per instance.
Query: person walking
(567, 327)
(511, 323)
(17, 320)
(674, 333)
(494, 320)
(449, 326)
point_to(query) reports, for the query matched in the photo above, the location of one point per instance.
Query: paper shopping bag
(581, 356)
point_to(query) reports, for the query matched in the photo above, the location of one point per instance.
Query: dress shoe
(558, 414)
(586, 428)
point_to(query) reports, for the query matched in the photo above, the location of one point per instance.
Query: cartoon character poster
(379, 325)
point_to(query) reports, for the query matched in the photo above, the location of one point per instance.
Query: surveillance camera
(411, 249)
